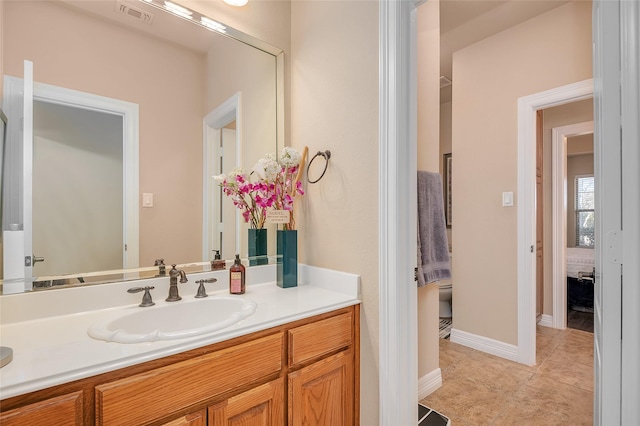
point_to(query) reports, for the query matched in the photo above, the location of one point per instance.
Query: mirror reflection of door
(228, 212)
(77, 183)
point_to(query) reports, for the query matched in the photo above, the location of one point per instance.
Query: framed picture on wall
(447, 188)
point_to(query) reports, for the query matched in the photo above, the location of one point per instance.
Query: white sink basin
(175, 320)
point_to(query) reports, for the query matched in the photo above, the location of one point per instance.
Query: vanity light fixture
(178, 10)
(189, 14)
(236, 2)
(211, 24)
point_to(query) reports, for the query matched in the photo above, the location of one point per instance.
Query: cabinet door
(61, 410)
(198, 418)
(260, 406)
(323, 393)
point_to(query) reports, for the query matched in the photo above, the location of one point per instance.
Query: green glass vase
(258, 247)
(287, 259)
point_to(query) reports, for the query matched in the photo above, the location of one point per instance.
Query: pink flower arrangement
(276, 187)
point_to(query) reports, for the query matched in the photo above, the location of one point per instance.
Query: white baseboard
(485, 344)
(429, 383)
(546, 321)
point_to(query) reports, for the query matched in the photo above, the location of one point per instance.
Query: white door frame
(397, 209)
(213, 123)
(559, 204)
(630, 172)
(130, 138)
(527, 107)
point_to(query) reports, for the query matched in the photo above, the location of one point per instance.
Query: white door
(630, 178)
(617, 291)
(16, 221)
(20, 254)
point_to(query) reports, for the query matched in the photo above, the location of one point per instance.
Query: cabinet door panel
(261, 406)
(198, 418)
(322, 393)
(62, 410)
(158, 393)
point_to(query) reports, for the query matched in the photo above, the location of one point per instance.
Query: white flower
(290, 157)
(236, 172)
(266, 169)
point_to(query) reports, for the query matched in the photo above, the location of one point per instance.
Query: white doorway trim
(559, 137)
(397, 200)
(130, 139)
(213, 123)
(527, 107)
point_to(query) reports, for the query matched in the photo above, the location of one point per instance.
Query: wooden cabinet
(65, 409)
(157, 393)
(322, 393)
(264, 405)
(304, 372)
(193, 419)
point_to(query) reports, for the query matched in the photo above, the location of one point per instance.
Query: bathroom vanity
(294, 361)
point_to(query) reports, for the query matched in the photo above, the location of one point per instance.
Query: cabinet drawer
(152, 395)
(61, 410)
(319, 338)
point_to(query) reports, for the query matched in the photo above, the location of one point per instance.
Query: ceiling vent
(134, 12)
(444, 82)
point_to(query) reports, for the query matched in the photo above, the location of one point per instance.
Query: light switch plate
(507, 199)
(147, 199)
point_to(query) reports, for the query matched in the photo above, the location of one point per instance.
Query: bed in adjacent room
(580, 268)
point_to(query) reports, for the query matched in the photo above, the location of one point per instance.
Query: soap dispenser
(237, 277)
(217, 263)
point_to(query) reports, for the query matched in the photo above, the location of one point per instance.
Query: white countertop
(47, 330)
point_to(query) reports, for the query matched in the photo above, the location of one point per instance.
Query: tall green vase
(258, 247)
(287, 264)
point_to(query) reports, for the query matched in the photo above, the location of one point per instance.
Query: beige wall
(177, 99)
(428, 46)
(563, 115)
(269, 21)
(334, 104)
(551, 50)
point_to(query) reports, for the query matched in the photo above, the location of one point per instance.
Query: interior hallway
(482, 389)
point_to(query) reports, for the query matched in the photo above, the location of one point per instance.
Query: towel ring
(326, 154)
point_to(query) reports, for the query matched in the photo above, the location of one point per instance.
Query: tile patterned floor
(481, 389)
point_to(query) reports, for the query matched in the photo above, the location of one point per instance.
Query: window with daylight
(585, 211)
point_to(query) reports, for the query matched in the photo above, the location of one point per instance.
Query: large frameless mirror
(135, 108)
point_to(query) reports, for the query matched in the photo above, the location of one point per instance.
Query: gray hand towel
(433, 245)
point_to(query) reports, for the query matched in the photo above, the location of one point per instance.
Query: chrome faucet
(173, 283)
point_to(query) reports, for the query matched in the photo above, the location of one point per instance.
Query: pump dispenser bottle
(236, 277)
(217, 263)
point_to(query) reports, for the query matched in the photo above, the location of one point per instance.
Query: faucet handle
(201, 291)
(146, 298)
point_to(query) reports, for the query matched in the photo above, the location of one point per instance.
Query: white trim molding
(546, 321)
(559, 184)
(485, 344)
(212, 125)
(398, 294)
(429, 383)
(130, 140)
(527, 107)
